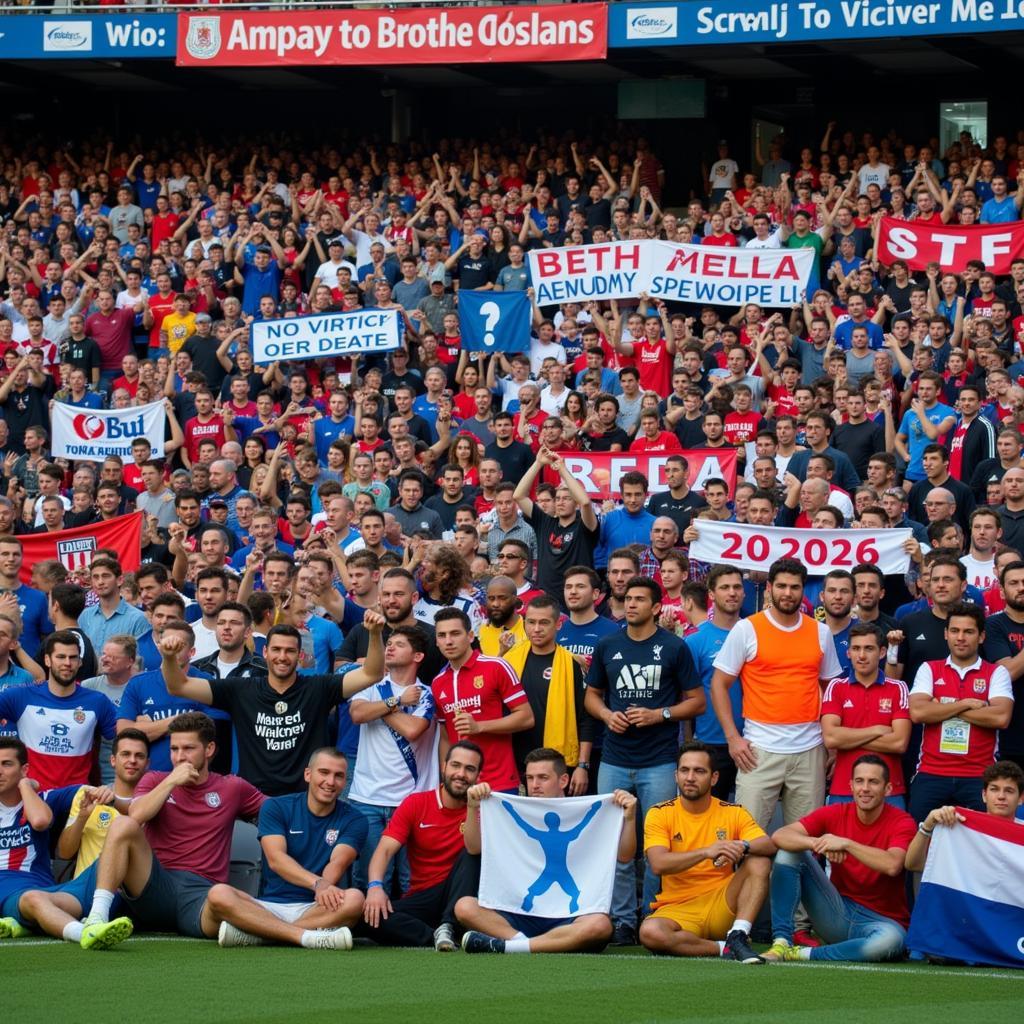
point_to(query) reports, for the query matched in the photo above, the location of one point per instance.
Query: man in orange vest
(782, 658)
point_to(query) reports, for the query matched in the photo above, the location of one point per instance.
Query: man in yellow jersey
(504, 626)
(95, 807)
(783, 658)
(714, 861)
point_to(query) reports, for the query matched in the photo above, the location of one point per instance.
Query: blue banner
(494, 321)
(720, 22)
(125, 36)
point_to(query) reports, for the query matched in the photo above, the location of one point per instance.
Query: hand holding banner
(549, 857)
(75, 547)
(326, 334)
(90, 435)
(494, 321)
(756, 547)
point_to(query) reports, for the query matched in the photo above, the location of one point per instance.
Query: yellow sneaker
(781, 951)
(106, 934)
(12, 928)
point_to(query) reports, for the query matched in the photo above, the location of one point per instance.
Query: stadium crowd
(371, 593)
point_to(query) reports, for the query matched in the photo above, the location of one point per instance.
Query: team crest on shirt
(280, 707)
(331, 836)
(885, 704)
(478, 682)
(213, 799)
(980, 685)
(720, 834)
(547, 674)
(79, 715)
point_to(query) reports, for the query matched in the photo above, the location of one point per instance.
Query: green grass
(156, 980)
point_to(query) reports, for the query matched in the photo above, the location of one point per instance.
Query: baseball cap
(335, 242)
(204, 318)
(264, 248)
(217, 503)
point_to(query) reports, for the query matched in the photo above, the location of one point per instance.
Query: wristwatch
(585, 765)
(666, 713)
(391, 704)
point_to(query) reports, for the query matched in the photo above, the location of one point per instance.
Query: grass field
(181, 981)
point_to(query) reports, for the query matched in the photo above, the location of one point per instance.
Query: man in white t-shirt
(397, 743)
(873, 172)
(327, 273)
(722, 176)
(986, 531)
(764, 236)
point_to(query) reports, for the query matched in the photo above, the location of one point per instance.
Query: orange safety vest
(781, 685)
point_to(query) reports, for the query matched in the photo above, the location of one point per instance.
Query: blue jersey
(583, 639)
(842, 642)
(35, 622)
(148, 653)
(24, 850)
(326, 431)
(704, 644)
(310, 840)
(146, 694)
(327, 639)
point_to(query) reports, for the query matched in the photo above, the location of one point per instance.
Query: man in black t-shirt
(859, 438)
(514, 457)
(642, 683)
(679, 502)
(567, 538)
(604, 434)
(280, 718)
(23, 404)
(1004, 641)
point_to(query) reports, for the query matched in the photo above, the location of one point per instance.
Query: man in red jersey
(651, 438)
(866, 713)
(430, 826)
(473, 694)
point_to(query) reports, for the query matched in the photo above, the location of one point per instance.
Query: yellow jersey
(178, 330)
(671, 826)
(488, 636)
(94, 835)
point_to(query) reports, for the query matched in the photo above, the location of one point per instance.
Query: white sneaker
(444, 939)
(332, 938)
(229, 935)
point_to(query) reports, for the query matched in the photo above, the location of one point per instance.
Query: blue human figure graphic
(555, 844)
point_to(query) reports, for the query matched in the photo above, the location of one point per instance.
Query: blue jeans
(850, 931)
(899, 802)
(378, 818)
(650, 786)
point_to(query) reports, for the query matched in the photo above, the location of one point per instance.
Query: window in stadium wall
(963, 116)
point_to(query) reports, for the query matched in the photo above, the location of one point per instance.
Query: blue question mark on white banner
(491, 312)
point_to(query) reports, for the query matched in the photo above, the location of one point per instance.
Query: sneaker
(105, 934)
(444, 939)
(229, 935)
(738, 944)
(805, 938)
(332, 938)
(477, 942)
(625, 935)
(779, 951)
(12, 928)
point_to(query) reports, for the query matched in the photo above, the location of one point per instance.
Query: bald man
(504, 626)
(664, 537)
(224, 484)
(939, 503)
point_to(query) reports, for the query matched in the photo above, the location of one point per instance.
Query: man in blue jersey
(167, 607)
(25, 820)
(309, 841)
(31, 603)
(725, 586)
(147, 705)
(642, 683)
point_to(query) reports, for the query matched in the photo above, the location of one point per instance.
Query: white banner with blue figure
(549, 858)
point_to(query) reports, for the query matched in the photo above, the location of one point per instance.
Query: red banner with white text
(600, 472)
(464, 35)
(75, 548)
(951, 246)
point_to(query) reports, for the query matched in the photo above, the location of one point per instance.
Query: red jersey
(160, 306)
(741, 427)
(132, 475)
(431, 834)
(164, 225)
(956, 748)
(196, 432)
(785, 403)
(654, 365)
(534, 425)
(464, 405)
(995, 601)
(666, 441)
(131, 386)
(956, 452)
(860, 707)
(484, 687)
(338, 199)
(193, 829)
(448, 349)
(892, 829)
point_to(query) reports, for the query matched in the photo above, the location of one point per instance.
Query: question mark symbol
(491, 312)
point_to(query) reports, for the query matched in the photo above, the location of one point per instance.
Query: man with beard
(837, 601)
(783, 659)
(429, 826)
(444, 578)
(504, 626)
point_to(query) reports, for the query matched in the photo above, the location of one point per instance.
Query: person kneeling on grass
(170, 854)
(714, 861)
(860, 908)
(309, 841)
(493, 931)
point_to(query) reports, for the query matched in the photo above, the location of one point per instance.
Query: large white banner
(93, 434)
(549, 858)
(667, 270)
(326, 334)
(821, 551)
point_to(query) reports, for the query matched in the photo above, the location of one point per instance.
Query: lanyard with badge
(955, 736)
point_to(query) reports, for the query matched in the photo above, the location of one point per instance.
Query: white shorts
(288, 912)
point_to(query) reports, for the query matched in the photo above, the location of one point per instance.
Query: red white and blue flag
(971, 903)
